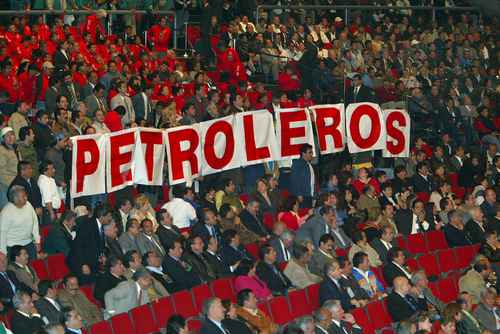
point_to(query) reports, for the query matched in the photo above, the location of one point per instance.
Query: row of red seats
(52, 268)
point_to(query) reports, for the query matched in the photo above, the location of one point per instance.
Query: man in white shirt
(341, 322)
(19, 223)
(51, 198)
(395, 265)
(182, 212)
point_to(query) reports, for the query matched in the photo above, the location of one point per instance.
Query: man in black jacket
(181, 272)
(331, 288)
(9, 283)
(213, 313)
(48, 307)
(400, 304)
(422, 181)
(383, 244)
(25, 319)
(215, 261)
(359, 92)
(194, 257)
(395, 265)
(60, 237)
(113, 276)
(207, 227)
(232, 251)
(167, 232)
(251, 218)
(25, 179)
(268, 272)
(454, 230)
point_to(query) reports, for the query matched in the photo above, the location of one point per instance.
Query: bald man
(400, 304)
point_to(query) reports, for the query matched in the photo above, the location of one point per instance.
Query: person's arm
(4, 229)
(35, 233)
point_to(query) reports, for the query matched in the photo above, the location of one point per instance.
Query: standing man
(303, 177)
(8, 161)
(51, 199)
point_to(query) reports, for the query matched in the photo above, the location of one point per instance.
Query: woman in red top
(365, 179)
(229, 62)
(291, 216)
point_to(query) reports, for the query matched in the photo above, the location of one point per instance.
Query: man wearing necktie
(208, 227)
(213, 313)
(342, 322)
(48, 307)
(400, 304)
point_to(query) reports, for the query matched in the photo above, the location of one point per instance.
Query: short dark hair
(24, 132)
(127, 258)
(45, 165)
(393, 253)
(325, 210)
(305, 147)
(244, 267)
(21, 165)
(112, 261)
(44, 286)
(15, 251)
(299, 250)
(228, 235)
(243, 296)
(325, 238)
(224, 210)
(358, 258)
(130, 223)
(264, 250)
(175, 323)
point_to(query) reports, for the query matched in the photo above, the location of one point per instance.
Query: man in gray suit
(129, 294)
(142, 103)
(341, 239)
(316, 226)
(282, 246)
(323, 255)
(486, 312)
(128, 240)
(96, 101)
(148, 240)
(421, 285)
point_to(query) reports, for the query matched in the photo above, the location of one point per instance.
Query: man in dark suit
(88, 246)
(181, 272)
(72, 321)
(122, 214)
(71, 91)
(215, 261)
(233, 252)
(207, 227)
(113, 276)
(412, 221)
(47, 306)
(476, 226)
(24, 320)
(95, 101)
(359, 92)
(60, 237)
(152, 262)
(142, 104)
(401, 305)
(342, 322)
(282, 245)
(395, 265)
(268, 272)
(383, 244)
(61, 56)
(318, 225)
(9, 284)
(331, 288)
(194, 257)
(422, 181)
(167, 232)
(111, 245)
(251, 218)
(214, 313)
(303, 177)
(454, 231)
(25, 179)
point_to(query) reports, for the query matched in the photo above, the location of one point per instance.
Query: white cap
(6, 130)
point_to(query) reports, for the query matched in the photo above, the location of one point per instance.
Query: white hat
(6, 130)
(338, 19)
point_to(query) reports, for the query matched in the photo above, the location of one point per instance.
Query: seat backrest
(280, 310)
(184, 304)
(201, 293)
(143, 319)
(430, 264)
(299, 304)
(436, 240)
(362, 319)
(162, 309)
(223, 288)
(417, 243)
(100, 328)
(378, 314)
(447, 260)
(313, 295)
(122, 324)
(448, 290)
(40, 269)
(57, 266)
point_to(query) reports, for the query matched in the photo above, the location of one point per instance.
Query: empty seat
(57, 266)
(183, 303)
(299, 304)
(223, 288)
(201, 293)
(313, 295)
(436, 240)
(447, 260)
(362, 319)
(430, 264)
(417, 244)
(423, 196)
(412, 264)
(401, 242)
(40, 269)
(253, 249)
(194, 325)
(122, 324)
(100, 328)
(143, 319)
(380, 275)
(280, 310)
(162, 309)
(378, 314)
(464, 256)
(448, 290)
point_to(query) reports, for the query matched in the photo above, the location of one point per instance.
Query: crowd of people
(319, 219)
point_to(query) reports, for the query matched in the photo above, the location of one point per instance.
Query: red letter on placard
(178, 156)
(119, 159)
(355, 123)
(150, 139)
(253, 152)
(288, 133)
(83, 168)
(322, 114)
(395, 133)
(210, 147)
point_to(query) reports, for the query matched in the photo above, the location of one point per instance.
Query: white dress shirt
(181, 211)
(49, 191)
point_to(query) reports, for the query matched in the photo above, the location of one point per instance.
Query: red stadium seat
(223, 288)
(453, 177)
(143, 319)
(122, 324)
(447, 260)
(436, 240)
(343, 252)
(299, 304)
(194, 325)
(417, 244)
(282, 265)
(378, 314)
(201, 293)
(280, 310)
(57, 266)
(387, 331)
(268, 220)
(362, 319)
(40, 269)
(380, 275)
(423, 196)
(100, 328)
(434, 286)
(253, 249)
(448, 290)
(264, 307)
(183, 303)
(89, 293)
(401, 242)
(245, 198)
(412, 264)
(313, 295)
(464, 255)
(162, 309)
(430, 264)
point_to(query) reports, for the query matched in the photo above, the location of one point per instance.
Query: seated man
(215, 260)
(454, 231)
(486, 311)
(331, 288)
(297, 269)
(72, 297)
(421, 291)
(213, 314)
(383, 244)
(128, 294)
(468, 321)
(233, 252)
(73, 321)
(247, 310)
(133, 261)
(323, 255)
(342, 322)
(365, 277)
(25, 318)
(194, 257)
(395, 265)
(19, 265)
(268, 272)
(251, 218)
(181, 273)
(400, 304)
(111, 278)
(128, 239)
(9, 283)
(161, 282)
(48, 307)
(475, 280)
(358, 295)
